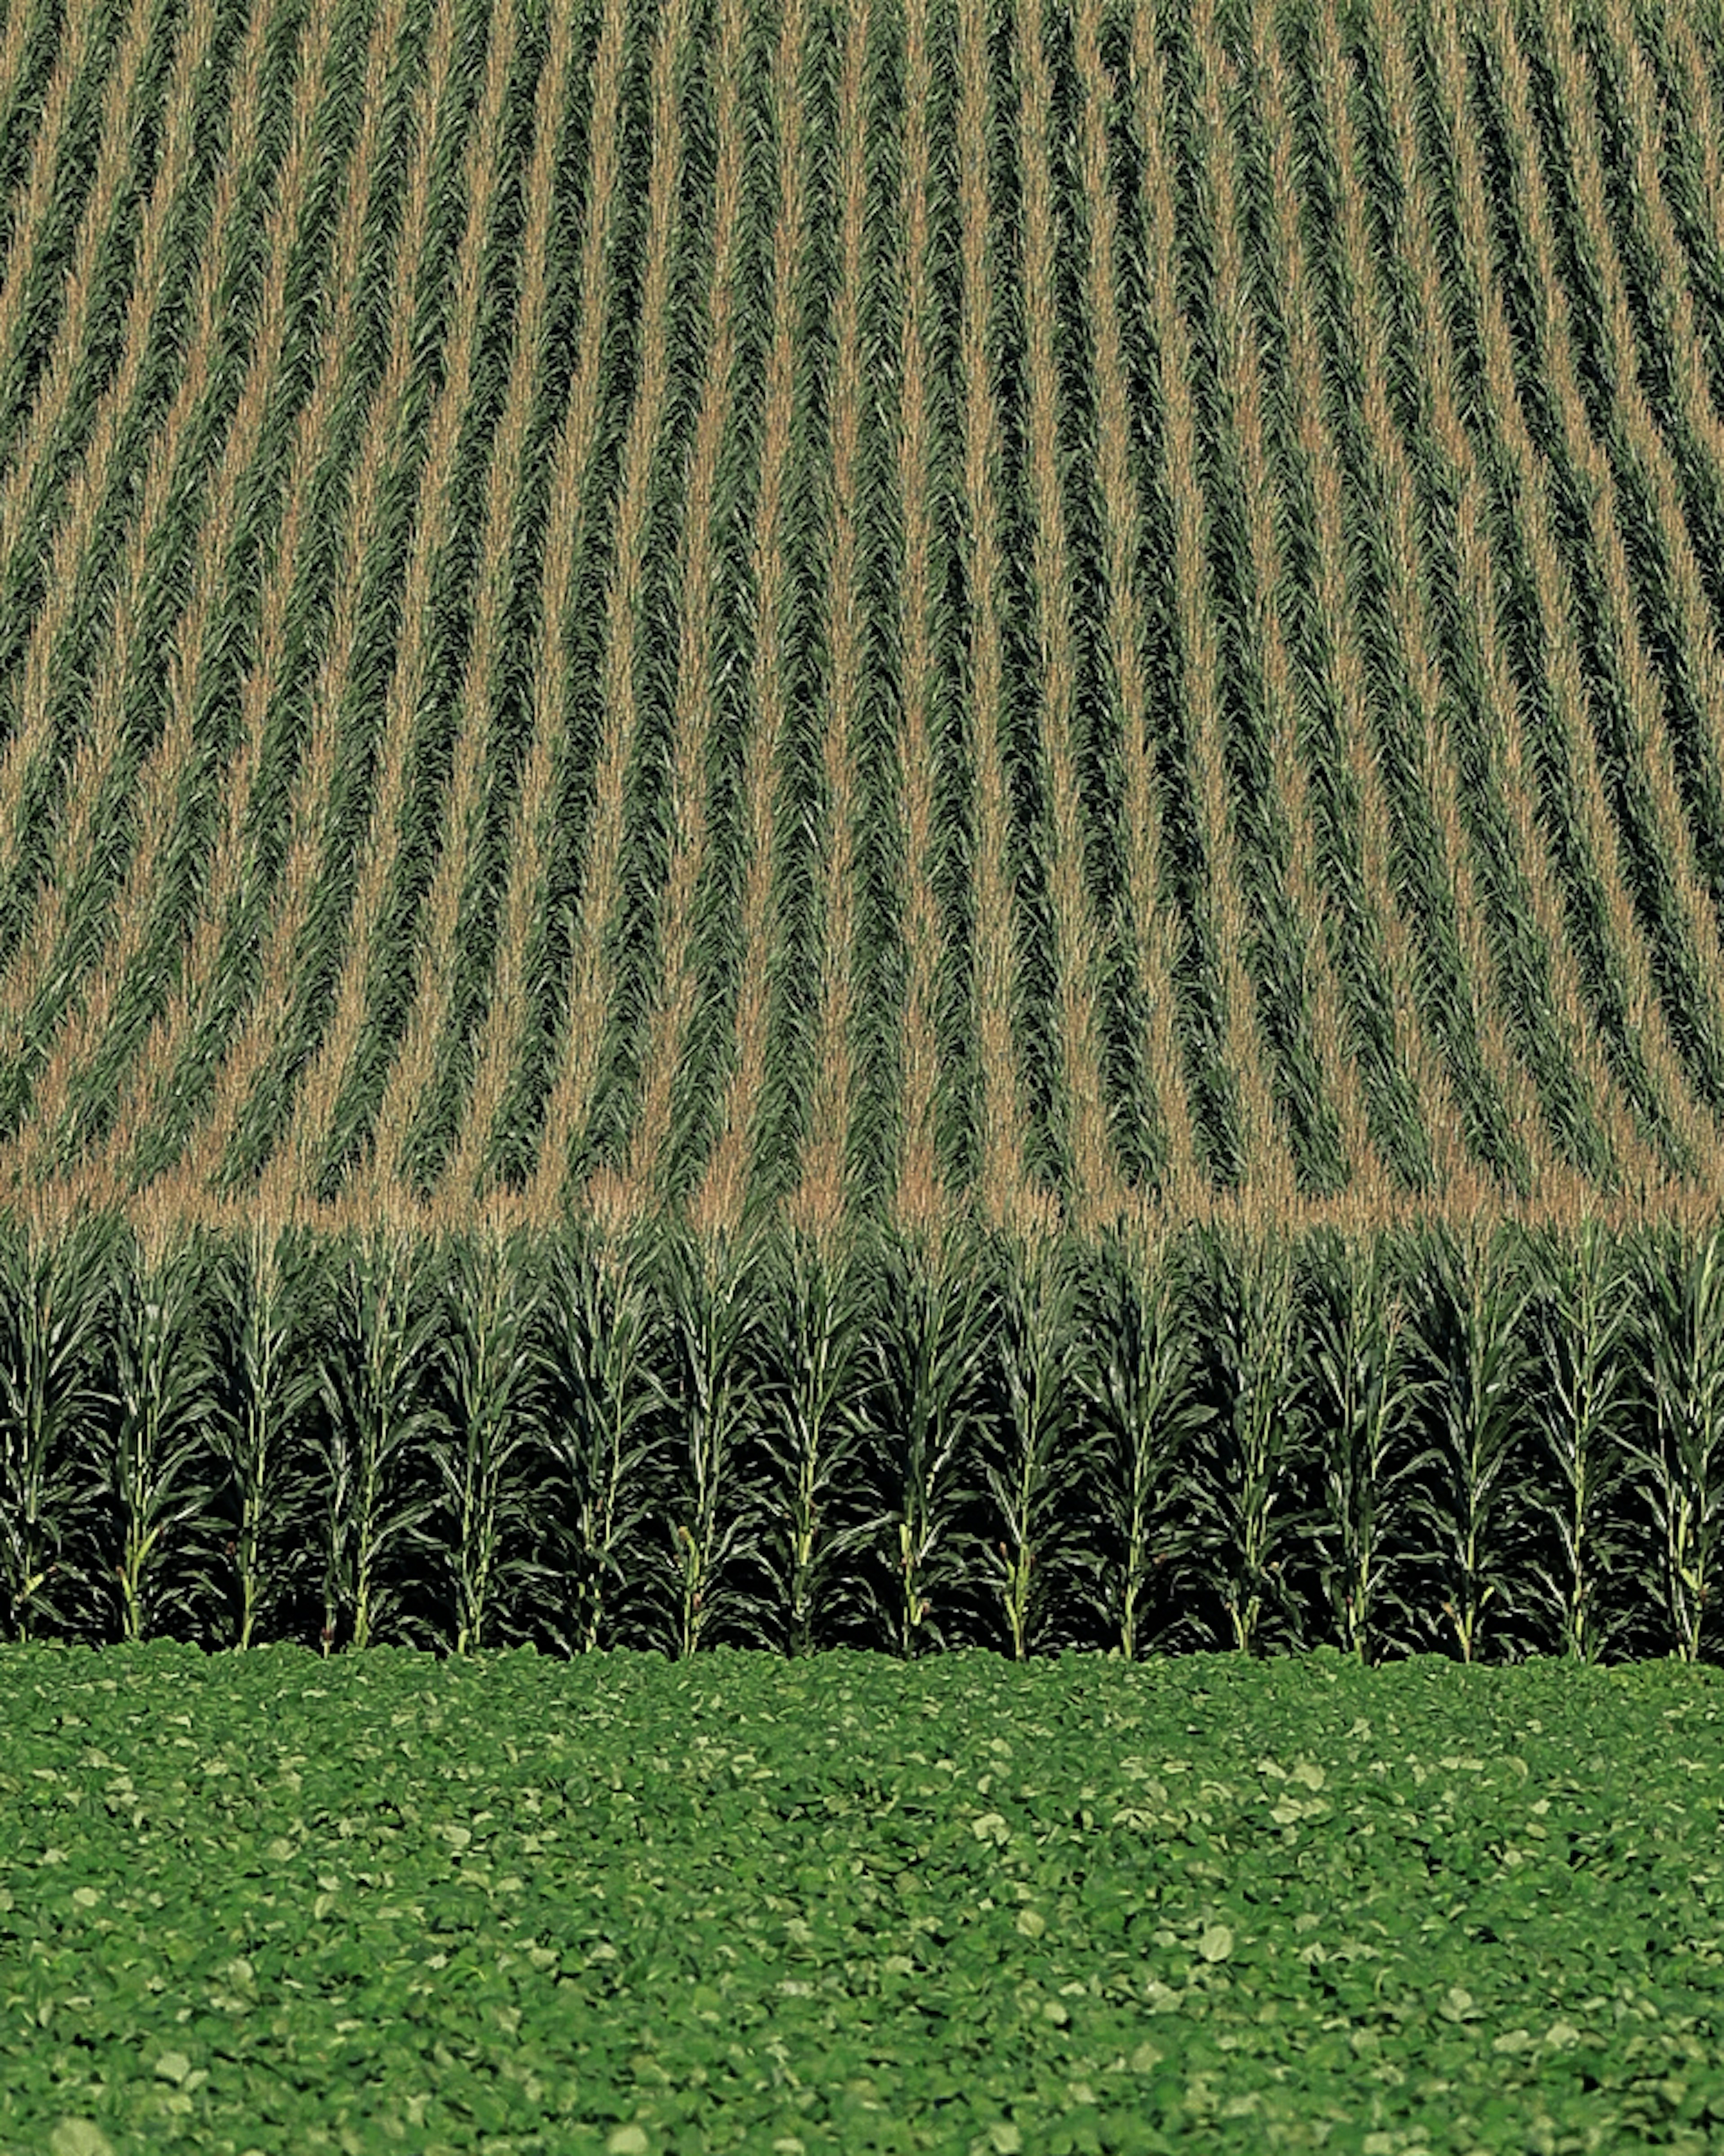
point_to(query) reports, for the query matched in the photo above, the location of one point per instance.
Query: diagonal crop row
(1068, 619)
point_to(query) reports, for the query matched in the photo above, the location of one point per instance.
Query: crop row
(860, 610)
(1481, 1440)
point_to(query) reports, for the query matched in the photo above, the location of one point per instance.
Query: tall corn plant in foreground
(164, 1393)
(1141, 1390)
(603, 1340)
(716, 1525)
(1474, 1350)
(493, 1389)
(1034, 1458)
(1364, 1390)
(53, 1297)
(1681, 1470)
(930, 1342)
(1242, 1488)
(380, 1414)
(814, 1434)
(270, 1376)
(1583, 1306)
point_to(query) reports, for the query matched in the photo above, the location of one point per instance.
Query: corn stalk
(1242, 1489)
(1584, 1306)
(600, 1425)
(813, 1431)
(492, 1369)
(931, 1341)
(164, 1385)
(1037, 1455)
(1681, 1471)
(53, 1297)
(1471, 1338)
(382, 1412)
(1364, 1390)
(715, 1528)
(1142, 1392)
(265, 1388)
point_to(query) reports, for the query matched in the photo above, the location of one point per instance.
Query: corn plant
(602, 1415)
(54, 1298)
(164, 1390)
(813, 1433)
(714, 1522)
(491, 1366)
(1242, 1488)
(1036, 1454)
(1476, 1366)
(1583, 1311)
(929, 1349)
(1142, 1388)
(267, 1383)
(382, 1412)
(1681, 1470)
(1364, 1392)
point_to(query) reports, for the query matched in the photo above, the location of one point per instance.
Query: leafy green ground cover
(272, 1902)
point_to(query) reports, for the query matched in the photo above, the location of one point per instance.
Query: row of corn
(1483, 1440)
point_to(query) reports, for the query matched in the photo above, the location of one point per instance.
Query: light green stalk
(601, 1430)
(1364, 1390)
(1041, 1457)
(712, 1310)
(165, 1386)
(380, 1414)
(267, 1393)
(930, 1340)
(1472, 1334)
(54, 1300)
(1238, 1488)
(1143, 1396)
(1585, 1306)
(815, 1427)
(493, 1378)
(1682, 1472)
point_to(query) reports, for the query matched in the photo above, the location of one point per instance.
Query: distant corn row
(1476, 1440)
(924, 611)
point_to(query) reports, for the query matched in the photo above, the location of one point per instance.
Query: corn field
(767, 769)
(1484, 1442)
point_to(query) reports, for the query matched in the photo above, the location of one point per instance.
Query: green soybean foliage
(270, 1902)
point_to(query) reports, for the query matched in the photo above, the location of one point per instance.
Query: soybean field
(972, 1910)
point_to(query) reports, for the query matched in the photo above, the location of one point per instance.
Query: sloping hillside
(872, 610)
